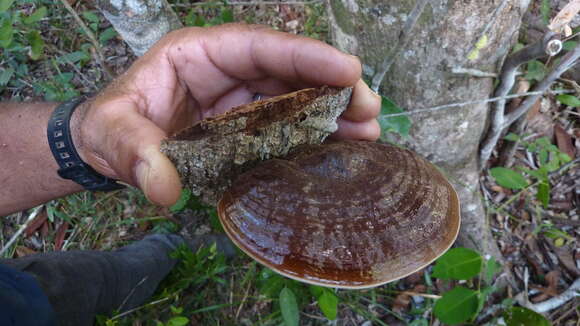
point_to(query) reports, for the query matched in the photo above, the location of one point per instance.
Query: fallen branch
(555, 302)
(549, 45)
(567, 62)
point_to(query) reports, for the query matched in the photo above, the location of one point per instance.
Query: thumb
(128, 147)
(156, 176)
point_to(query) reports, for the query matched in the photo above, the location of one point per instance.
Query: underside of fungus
(350, 214)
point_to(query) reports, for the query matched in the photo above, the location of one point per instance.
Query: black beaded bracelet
(65, 154)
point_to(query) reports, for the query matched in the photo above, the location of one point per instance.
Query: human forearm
(27, 168)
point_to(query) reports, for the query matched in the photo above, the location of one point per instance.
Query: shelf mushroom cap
(350, 214)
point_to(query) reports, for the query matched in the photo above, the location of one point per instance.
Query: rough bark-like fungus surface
(210, 154)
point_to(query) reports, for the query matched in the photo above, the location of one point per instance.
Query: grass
(205, 288)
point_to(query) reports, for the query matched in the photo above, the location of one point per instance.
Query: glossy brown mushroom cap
(347, 214)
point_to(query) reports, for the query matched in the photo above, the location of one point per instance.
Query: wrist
(62, 146)
(76, 128)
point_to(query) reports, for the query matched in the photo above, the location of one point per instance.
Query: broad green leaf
(399, 125)
(36, 16)
(73, 57)
(569, 45)
(316, 291)
(182, 201)
(457, 306)
(536, 70)
(6, 33)
(176, 310)
(328, 303)
(492, 267)
(540, 174)
(5, 75)
(289, 307)
(518, 316)
(36, 45)
(178, 321)
(64, 78)
(512, 137)
(91, 16)
(458, 264)
(5, 4)
(107, 34)
(569, 100)
(508, 178)
(565, 158)
(553, 165)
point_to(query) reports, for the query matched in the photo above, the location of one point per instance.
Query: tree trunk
(140, 23)
(415, 45)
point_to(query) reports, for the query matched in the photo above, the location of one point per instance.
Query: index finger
(246, 52)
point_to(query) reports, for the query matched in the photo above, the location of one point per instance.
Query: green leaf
(182, 201)
(5, 4)
(492, 267)
(227, 15)
(458, 264)
(328, 303)
(107, 34)
(536, 70)
(36, 45)
(539, 174)
(6, 75)
(482, 297)
(73, 57)
(316, 291)
(569, 100)
(399, 125)
(6, 33)
(457, 306)
(289, 307)
(569, 45)
(176, 310)
(91, 16)
(545, 11)
(518, 316)
(177, 321)
(508, 178)
(36, 16)
(512, 137)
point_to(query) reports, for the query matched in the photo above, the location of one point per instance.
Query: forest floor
(537, 226)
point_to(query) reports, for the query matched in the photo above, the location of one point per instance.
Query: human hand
(194, 73)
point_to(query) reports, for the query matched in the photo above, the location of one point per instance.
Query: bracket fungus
(348, 214)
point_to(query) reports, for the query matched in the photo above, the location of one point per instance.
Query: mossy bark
(417, 44)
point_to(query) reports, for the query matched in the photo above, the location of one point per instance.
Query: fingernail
(142, 171)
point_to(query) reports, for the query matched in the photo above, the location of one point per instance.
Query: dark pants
(71, 288)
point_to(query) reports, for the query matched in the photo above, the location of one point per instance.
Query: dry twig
(16, 235)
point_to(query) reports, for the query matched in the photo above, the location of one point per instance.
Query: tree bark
(140, 23)
(415, 45)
